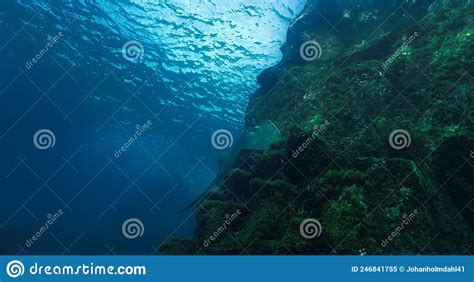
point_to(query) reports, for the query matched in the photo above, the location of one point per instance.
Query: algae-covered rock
(377, 137)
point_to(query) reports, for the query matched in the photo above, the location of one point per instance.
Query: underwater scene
(236, 127)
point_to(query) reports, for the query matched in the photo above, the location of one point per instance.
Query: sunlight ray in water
(136, 89)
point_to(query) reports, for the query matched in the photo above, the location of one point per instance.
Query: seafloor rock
(385, 66)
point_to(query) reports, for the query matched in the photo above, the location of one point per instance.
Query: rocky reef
(377, 138)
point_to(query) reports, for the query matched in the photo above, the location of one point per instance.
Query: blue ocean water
(129, 93)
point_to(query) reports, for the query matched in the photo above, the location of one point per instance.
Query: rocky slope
(377, 142)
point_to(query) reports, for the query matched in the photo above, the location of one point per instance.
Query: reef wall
(374, 102)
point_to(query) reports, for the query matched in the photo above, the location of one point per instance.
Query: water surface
(196, 67)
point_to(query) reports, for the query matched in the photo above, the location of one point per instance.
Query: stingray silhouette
(258, 138)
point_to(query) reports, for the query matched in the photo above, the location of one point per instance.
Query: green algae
(360, 188)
